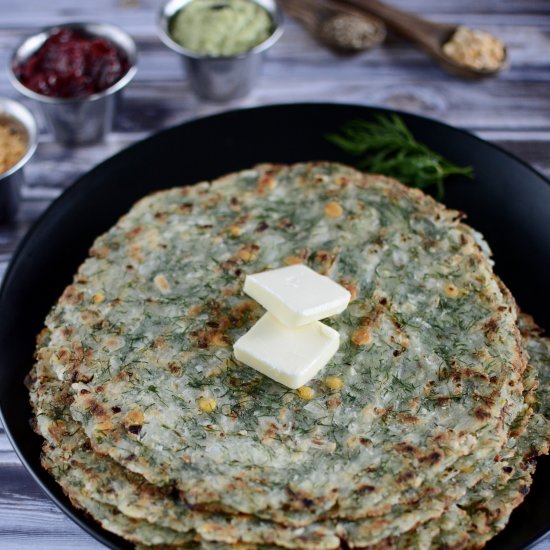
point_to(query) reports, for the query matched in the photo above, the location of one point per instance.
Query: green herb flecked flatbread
(431, 361)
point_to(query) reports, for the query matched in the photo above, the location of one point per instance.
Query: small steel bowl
(12, 179)
(220, 78)
(81, 120)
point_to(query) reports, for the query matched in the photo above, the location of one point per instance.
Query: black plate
(508, 202)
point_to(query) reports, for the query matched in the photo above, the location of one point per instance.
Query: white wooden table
(513, 111)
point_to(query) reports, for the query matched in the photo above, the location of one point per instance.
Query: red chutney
(72, 64)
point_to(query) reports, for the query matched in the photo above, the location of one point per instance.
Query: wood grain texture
(512, 111)
(29, 519)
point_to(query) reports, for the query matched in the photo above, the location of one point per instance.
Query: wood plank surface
(512, 111)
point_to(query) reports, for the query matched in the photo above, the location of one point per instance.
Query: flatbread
(429, 354)
(432, 363)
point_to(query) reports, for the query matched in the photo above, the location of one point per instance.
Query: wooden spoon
(340, 27)
(430, 36)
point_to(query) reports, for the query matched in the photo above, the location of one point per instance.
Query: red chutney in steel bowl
(72, 64)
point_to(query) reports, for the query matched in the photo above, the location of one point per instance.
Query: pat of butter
(289, 356)
(297, 295)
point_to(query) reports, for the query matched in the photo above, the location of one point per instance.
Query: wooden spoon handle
(410, 26)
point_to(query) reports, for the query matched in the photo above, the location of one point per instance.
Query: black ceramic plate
(508, 202)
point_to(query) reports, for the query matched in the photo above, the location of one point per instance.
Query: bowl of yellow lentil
(18, 140)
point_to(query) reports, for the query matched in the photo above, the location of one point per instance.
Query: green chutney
(221, 28)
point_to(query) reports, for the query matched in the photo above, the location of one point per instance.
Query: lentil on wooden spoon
(464, 52)
(336, 25)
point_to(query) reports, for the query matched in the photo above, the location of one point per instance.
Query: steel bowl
(220, 78)
(81, 120)
(12, 179)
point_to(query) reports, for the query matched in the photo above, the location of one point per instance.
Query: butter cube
(297, 295)
(291, 356)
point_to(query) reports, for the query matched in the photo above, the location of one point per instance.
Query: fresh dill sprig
(387, 147)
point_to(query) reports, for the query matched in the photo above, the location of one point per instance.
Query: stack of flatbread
(421, 432)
